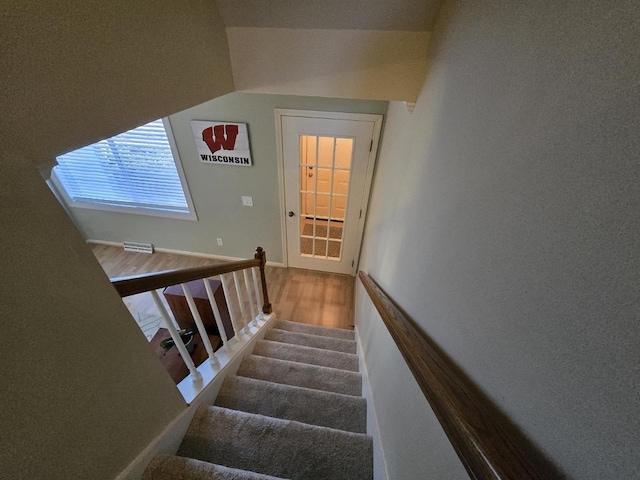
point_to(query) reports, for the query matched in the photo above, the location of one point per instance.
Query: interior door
(326, 166)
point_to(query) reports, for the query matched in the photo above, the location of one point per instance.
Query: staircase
(293, 411)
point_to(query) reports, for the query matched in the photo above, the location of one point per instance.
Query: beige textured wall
(504, 220)
(368, 64)
(407, 15)
(76, 73)
(82, 394)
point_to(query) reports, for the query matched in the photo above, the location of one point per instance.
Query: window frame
(136, 209)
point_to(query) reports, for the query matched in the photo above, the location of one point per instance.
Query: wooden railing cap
(145, 282)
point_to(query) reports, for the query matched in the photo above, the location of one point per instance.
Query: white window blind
(133, 170)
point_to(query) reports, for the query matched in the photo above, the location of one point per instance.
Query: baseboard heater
(138, 247)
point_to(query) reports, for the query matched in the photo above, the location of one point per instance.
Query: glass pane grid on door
(325, 170)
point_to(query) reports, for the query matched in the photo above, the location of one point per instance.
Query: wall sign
(222, 142)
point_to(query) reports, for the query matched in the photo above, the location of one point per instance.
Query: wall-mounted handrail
(487, 446)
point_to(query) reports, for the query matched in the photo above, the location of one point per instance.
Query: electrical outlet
(247, 201)
(219, 241)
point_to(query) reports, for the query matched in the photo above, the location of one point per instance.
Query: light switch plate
(219, 241)
(247, 201)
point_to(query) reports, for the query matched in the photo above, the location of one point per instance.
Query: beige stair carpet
(293, 411)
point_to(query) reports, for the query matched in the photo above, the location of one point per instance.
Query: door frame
(371, 163)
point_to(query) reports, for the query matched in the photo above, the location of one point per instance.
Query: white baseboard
(380, 466)
(198, 254)
(169, 440)
(105, 242)
(184, 252)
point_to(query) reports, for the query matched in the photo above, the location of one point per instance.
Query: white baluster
(256, 286)
(232, 311)
(216, 312)
(236, 279)
(247, 286)
(203, 331)
(196, 376)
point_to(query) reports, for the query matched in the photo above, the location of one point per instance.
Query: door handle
(291, 214)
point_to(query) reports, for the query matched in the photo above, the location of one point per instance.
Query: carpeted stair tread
(314, 407)
(301, 375)
(310, 355)
(314, 329)
(272, 446)
(309, 340)
(170, 467)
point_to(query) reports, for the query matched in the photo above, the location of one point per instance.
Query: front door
(328, 166)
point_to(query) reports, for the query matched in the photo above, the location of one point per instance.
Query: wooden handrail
(145, 282)
(488, 446)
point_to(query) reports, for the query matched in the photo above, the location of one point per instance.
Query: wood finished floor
(303, 296)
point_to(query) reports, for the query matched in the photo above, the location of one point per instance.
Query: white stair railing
(252, 306)
(216, 313)
(247, 286)
(243, 312)
(232, 311)
(256, 272)
(204, 336)
(196, 376)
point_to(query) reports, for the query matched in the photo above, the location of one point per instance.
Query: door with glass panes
(328, 164)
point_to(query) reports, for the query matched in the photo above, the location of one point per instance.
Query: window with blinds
(135, 171)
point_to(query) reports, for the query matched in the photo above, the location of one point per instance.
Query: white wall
(82, 392)
(504, 221)
(370, 64)
(216, 189)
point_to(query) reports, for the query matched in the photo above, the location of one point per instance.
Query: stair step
(170, 467)
(272, 446)
(310, 355)
(301, 375)
(314, 329)
(314, 407)
(310, 340)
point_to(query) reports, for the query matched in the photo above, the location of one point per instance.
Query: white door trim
(373, 154)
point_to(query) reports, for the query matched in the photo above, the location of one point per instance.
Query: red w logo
(216, 139)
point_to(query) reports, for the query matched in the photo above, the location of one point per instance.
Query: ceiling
(407, 15)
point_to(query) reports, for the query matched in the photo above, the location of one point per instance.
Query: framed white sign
(222, 142)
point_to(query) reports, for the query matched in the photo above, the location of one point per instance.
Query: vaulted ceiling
(371, 49)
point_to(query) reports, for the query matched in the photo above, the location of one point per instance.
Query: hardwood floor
(117, 263)
(304, 296)
(316, 298)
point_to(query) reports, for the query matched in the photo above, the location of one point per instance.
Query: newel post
(262, 256)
